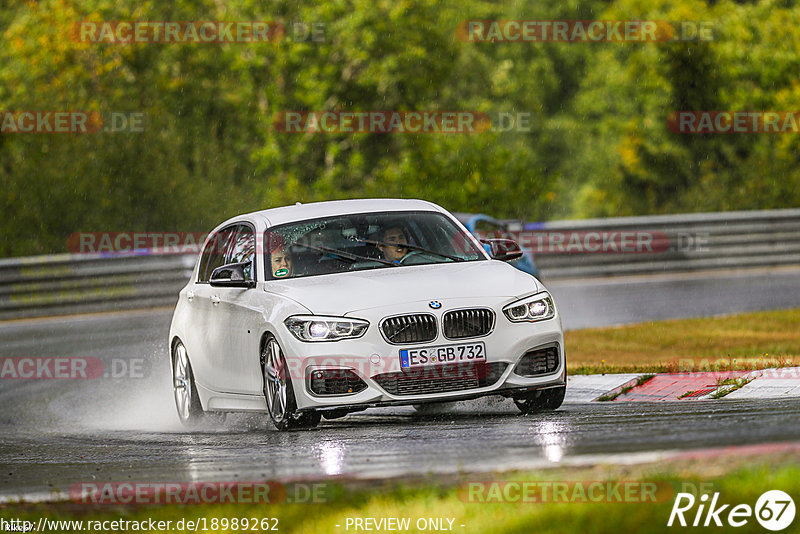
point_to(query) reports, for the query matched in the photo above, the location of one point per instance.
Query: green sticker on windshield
(281, 272)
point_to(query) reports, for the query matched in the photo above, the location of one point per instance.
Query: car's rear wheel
(541, 400)
(187, 401)
(278, 390)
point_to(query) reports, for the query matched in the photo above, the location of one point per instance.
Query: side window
(215, 252)
(243, 249)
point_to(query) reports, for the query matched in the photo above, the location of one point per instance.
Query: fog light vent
(334, 382)
(540, 361)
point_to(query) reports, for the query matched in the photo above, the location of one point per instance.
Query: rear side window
(215, 252)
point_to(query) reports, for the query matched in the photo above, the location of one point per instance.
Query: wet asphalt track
(54, 433)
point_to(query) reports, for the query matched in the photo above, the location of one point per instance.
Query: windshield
(365, 241)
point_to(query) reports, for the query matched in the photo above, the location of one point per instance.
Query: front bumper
(372, 357)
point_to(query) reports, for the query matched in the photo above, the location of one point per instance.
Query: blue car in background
(480, 225)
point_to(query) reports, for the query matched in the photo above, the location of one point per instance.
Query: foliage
(598, 143)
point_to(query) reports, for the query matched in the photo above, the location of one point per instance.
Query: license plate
(442, 354)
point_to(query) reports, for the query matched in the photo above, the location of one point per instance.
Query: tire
(278, 391)
(543, 400)
(187, 401)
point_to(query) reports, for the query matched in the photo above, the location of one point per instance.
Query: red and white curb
(588, 388)
(770, 383)
(761, 384)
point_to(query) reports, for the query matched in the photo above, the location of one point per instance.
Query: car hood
(342, 293)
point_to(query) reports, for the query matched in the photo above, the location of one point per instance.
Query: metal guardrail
(690, 242)
(80, 283)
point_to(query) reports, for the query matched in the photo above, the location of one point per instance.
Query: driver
(395, 252)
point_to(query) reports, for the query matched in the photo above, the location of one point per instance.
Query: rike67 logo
(774, 510)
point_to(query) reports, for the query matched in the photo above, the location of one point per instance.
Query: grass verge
(736, 342)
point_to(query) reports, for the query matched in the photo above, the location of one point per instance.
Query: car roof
(313, 210)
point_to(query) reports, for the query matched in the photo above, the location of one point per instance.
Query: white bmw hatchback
(329, 308)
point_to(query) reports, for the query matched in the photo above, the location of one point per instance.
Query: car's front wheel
(541, 400)
(279, 392)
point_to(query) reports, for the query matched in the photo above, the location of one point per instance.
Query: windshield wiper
(410, 247)
(344, 254)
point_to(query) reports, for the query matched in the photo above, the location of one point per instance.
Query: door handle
(190, 295)
(214, 299)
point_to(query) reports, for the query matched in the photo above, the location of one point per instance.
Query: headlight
(531, 309)
(313, 328)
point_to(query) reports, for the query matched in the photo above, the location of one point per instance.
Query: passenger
(279, 256)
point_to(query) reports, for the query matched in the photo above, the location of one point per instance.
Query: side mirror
(503, 249)
(231, 275)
